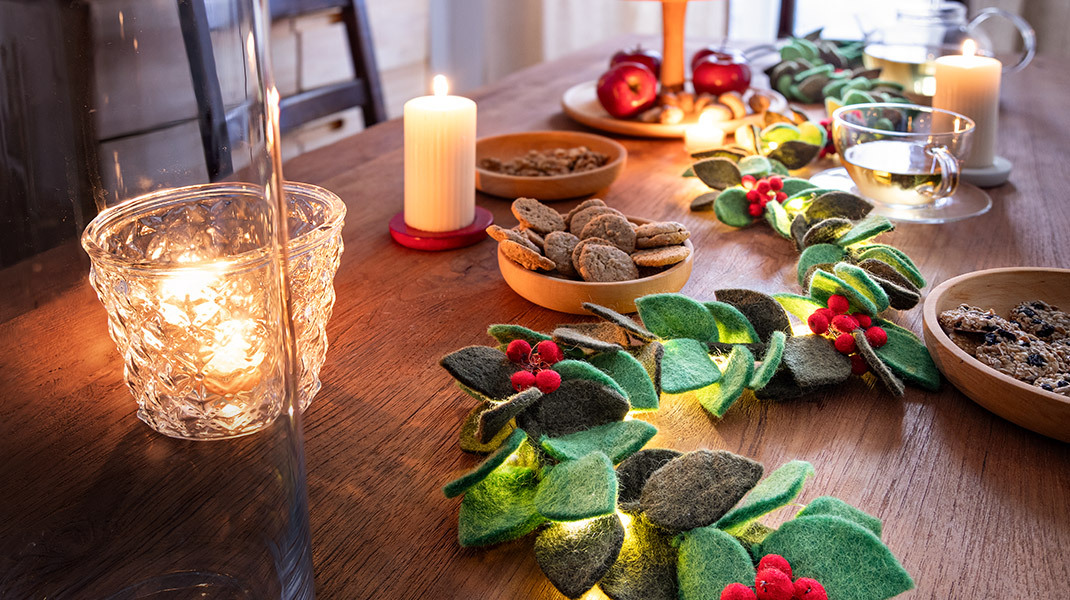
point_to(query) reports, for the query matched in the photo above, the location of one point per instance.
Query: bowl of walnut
(1002, 337)
(548, 165)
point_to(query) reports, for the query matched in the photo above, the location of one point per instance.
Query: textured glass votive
(187, 285)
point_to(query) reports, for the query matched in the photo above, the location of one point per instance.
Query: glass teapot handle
(1029, 37)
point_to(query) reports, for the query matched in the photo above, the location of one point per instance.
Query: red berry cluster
(773, 582)
(535, 364)
(830, 147)
(836, 323)
(761, 191)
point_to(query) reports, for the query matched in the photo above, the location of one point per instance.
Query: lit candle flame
(440, 86)
(969, 48)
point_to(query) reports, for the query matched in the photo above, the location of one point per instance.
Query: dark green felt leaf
(720, 396)
(495, 418)
(829, 505)
(813, 362)
(867, 228)
(825, 231)
(794, 185)
(800, 306)
(907, 357)
(709, 560)
(688, 172)
(650, 355)
(776, 490)
(894, 257)
(732, 155)
(900, 296)
(795, 154)
(697, 488)
(858, 279)
(575, 558)
(778, 219)
(732, 325)
(499, 508)
(481, 368)
(578, 489)
(876, 365)
(774, 352)
(616, 440)
(677, 316)
(843, 205)
(704, 202)
(646, 566)
(506, 333)
(686, 366)
(879, 269)
(764, 313)
(718, 173)
(622, 321)
(824, 284)
(469, 436)
(630, 374)
(482, 470)
(849, 561)
(755, 165)
(578, 369)
(731, 207)
(817, 254)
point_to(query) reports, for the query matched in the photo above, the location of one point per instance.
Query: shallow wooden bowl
(568, 295)
(1044, 412)
(557, 187)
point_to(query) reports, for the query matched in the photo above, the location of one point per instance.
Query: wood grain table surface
(972, 505)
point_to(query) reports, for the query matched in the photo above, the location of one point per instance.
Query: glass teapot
(922, 32)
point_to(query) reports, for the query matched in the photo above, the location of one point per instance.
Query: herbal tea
(893, 172)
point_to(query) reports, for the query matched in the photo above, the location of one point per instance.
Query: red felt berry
(547, 380)
(845, 344)
(771, 584)
(762, 187)
(518, 350)
(748, 181)
(781, 196)
(863, 320)
(549, 352)
(818, 322)
(522, 380)
(755, 209)
(827, 312)
(809, 589)
(844, 323)
(858, 364)
(737, 591)
(776, 184)
(838, 304)
(775, 561)
(753, 196)
(876, 337)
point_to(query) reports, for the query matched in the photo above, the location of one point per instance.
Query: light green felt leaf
(829, 505)
(731, 207)
(857, 278)
(677, 316)
(578, 369)
(817, 254)
(794, 185)
(849, 561)
(720, 396)
(617, 440)
(778, 168)
(732, 326)
(578, 489)
(896, 258)
(907, 357)
(867, 228)
(754, 165)
(506, 333)
(482, 470)
(776, 490)
(631, 375)
(774, 351)
(824, 284)
(800, 306)
(686, 366)
(688, 172)
(709, 560)
(778, 219)
(499, 508)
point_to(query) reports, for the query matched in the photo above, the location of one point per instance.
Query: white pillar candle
(969, 84)
(440, 161)
(704, 135)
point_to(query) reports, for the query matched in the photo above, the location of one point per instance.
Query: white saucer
(967, 201)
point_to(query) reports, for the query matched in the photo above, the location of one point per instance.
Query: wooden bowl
(568, 295)
(556, 187)
(1031, 407)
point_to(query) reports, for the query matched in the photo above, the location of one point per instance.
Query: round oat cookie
(1060, 383)
(501, 234)
(1042, 320)
(534, 238)
(559, 247)
(533, 214)
(614, 228)
(665, 233)
(595, 241)
(606, 263)
(525, 257)
(583, 217)
(661, 257)
(581, 206)
(1022, 356)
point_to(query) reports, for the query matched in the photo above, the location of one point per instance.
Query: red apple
(716, 76)
(641, 55)
(722, 53)
(627, 89)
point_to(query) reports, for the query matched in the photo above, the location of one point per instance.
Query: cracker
(501, 234)
(533, 214)
(526, 257)
(581, 206)
(660, 257)
(614, 228)
(558, 247)
(583, 217)
(605, 263)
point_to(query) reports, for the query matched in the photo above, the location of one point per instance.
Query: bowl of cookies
(1002, 339)
(593, 253)
(549, 165)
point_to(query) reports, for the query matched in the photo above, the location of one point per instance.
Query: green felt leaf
(688, 172)
(754, 165)
(829, 505)
(867, 228)
(841, 205)
(801, 200)
(725, 153)
(578, 489)
(578, 369)
(704, 202)
(774, 352)
(574, 556)
(825, 231)
(778, 168)
(676, 316)
(718, 173)
(907, 357)
(795, 154)
(760, 309)
(800, 306)
(731, 207)
(617, 440)
(895, 258)
(506, 333)
(849, 561)
(857, 97)
(778, 219)
(482, 470)
(776, 490)
(720, 396)
(858, 279)
(469, 436)
(483, 369)
(732, 325)
(794, 185)
(630, 374)
(824, 284)
(709, 560)
(499, 508)
(498, 415)
(816, 255)
(686, 366)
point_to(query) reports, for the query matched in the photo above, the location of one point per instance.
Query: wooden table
(973, 506)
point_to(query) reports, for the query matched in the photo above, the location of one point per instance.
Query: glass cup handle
(949, 172)
(1029, 37)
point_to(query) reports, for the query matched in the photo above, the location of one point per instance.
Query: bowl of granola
(547, 165)
(1002, 337)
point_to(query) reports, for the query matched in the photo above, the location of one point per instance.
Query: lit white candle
(440, 160)
(969, 84)
(704, 135)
